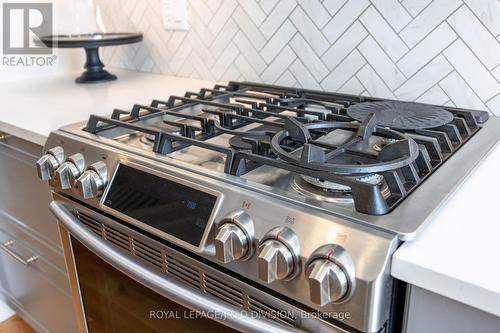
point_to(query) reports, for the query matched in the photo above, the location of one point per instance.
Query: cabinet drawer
(47, 251)
(23, 196)
(37, 288)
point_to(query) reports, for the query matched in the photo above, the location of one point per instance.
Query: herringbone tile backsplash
(443, 52)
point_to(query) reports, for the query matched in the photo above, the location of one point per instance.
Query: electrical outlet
(174, 13)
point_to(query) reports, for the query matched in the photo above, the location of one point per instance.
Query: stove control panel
(68, 172)
(278, 255)
(48, 163)
(330, 272)
(233, 240)
(92, 182)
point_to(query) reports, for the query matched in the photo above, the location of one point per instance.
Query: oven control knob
(234, 237)
(327, 282)
(330, 272)
(278, 255)
(48, 163)
(92, 182)
(67, 173)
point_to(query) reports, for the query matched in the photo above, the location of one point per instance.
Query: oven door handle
(186, 296)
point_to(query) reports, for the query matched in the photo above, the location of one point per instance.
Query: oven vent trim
(190, 275)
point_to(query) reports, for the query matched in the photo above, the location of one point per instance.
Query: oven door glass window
(115, 303)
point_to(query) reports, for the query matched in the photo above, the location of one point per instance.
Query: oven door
(115, 292)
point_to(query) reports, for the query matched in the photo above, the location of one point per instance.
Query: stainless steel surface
(231, 243)
(268, 209)
(48, 163)
(6, 246)
(163, 284)
(67, 173)
(275, 261)
(430, 195)
(322, 254)
(92, 182)
(278, 255)
(331, 283)
(327, 282)
(234, 239)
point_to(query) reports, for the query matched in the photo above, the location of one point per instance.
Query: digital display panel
(173, 208)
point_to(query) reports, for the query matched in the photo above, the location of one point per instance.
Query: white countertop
(32, 108)
(458, 254)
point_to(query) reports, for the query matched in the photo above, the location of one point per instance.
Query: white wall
(438, 51)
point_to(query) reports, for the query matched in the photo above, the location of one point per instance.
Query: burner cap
(401, 115)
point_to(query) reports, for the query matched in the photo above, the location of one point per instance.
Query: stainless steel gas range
(251, 207)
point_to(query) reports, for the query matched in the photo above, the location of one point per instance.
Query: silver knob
(48, 163)
(67, 173)
(331, 274)
(278, 255)
(231, 243)
(92, 182)
(327, 282)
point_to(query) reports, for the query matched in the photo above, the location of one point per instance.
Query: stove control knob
(67, 173)
(92, 182)
(48, 163)
(234, 237)
(278, 255)
(329, 271)
(327, 282)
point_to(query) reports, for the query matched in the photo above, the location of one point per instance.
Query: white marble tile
(460, 93)
(276, 18)
(302, 74)
(381, 63)
(428, 76)
(276, 68)
(254, 11)
(344, 45)
(383, 34)
(427, 49)
(393, 12)
(278, 41)
(476, 36)
(435, 95)
(469, 67)
(340, 75)
(316, 11)
(414, 7)
(488, 11)
(427, 20)
(344, 18)
(373, 83)
(309, 31)
(353, 87)
(302, 49)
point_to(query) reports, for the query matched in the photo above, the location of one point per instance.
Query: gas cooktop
(356, 155)
(301, 192)
(327, 147)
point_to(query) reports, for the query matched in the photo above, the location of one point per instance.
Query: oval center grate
(402, 115)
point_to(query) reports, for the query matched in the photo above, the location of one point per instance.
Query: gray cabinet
(38, 290)
(432, 313)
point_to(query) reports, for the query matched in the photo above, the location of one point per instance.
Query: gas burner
(320, 156)
(149, 139)
(401, 115)
(327, 191)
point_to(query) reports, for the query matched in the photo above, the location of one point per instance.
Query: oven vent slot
(147, 253)
(271, 312)
(224, 291)
(117, 238)
(91, 223)
(182, 271)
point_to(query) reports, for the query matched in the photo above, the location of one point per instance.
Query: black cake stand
(94, 68)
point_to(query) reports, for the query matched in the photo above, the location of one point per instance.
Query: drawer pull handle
(6, 247)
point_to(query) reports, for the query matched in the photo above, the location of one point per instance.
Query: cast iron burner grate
(289, 127)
